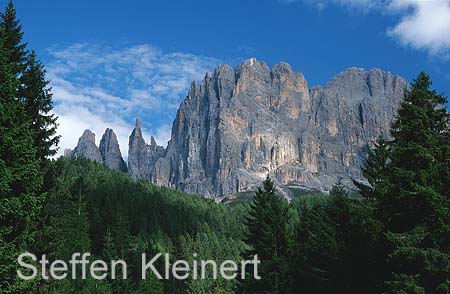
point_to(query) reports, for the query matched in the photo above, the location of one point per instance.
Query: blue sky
(113, 61)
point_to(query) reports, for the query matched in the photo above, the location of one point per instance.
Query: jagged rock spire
(137, 132)
(110, 151)
(141, 156)
(86, 147)
(242, 123)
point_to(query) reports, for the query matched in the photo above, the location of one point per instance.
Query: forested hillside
(392, 237)
(105, 212)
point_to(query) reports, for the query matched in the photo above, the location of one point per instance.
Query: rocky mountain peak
(137, 132)
(141, 156)
(110, 151)
(240, 124)
(252, 70)
(355, 84)
(88, 136)
(282, 68)
(153, 141)
(86, 147)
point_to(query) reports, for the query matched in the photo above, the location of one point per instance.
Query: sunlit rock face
(86, 148)
(241, 124)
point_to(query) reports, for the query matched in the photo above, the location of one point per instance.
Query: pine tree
(111, 251)
(38, 105)
(33, 88)
(335, 248)
(412, 194)
(338, 190)
(11, 34)
(20, 179)
(268, 238)
(150, 285)
(374, 167)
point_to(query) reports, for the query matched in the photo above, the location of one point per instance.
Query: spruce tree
(150, 285)
(335, 247)
(373, 167)
(37, 96)
(33, 87)
(413, 195)
(20, 179)
(268, 238)
(338, 190)
(12, 35)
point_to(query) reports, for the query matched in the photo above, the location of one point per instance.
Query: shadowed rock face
(86, 148)
(241, 124)
(110, 151)
(141, 156)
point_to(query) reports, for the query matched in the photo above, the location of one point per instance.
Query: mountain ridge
(241, 124)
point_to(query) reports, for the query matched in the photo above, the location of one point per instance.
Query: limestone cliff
(110, 151)
(86, 148)
(107, 153)
(141, 156)
(240, 124)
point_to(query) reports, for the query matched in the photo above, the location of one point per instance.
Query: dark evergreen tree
(11, 34)
(338, 190)
(37, 96)
(268, 238)
(33, 88)
(335, 246)
(20, 179)
(374, 167)
(150, 285)
(413, 196)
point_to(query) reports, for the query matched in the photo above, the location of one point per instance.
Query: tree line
(27, 138)
(393, 237)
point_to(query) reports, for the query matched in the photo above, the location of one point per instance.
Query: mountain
(141, 156)
(110, 151)
(241, 124)
(107, 153)
(85, 148)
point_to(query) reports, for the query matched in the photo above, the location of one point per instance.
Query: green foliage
(334, 248)
(25, 141)
(11, 34)
(20, 179)
(38, 105)
(150, 285)
(267, 236)
(208, 245)
(394, 239)
(412, 192)
(98, 210)
(339, 190)
(374, 167)
(32, 88)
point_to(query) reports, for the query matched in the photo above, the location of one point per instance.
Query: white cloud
(422, 24)
(322, 4)
(96, 87)
(74, 120)
(425, 26)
